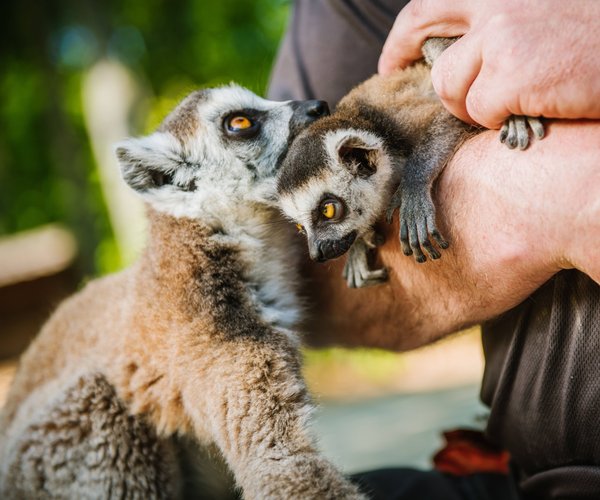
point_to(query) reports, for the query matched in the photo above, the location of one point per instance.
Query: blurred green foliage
(46, 166)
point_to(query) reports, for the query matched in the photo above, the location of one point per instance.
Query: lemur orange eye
(300, 228)
(239, 123)
(332, 209)
(328, 210)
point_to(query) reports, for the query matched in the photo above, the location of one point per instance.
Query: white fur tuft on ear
(358, 151)
(149, 162)
(367, 140)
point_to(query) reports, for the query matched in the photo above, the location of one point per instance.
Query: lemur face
(331, 185)
(217, 146)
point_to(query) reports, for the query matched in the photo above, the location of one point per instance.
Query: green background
(47, 170)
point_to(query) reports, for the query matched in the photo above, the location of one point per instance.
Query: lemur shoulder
(196, 341)
(381, 150)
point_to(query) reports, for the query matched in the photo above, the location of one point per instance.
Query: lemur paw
(356, 271)
(417, 225)
(515, 132)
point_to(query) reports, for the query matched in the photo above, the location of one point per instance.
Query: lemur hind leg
(356, 270)
(85, 445)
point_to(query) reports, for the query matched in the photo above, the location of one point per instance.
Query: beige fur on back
(408, 93)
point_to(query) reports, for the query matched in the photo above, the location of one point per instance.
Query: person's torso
(542, 383)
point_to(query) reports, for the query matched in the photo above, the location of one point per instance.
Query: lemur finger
(511, 138)
(404, 238)
(439, 239)
(504, 132)
(435, 234)
(351, 272)
(373, 278)
(361, 276)
(394, 204)
(430, 250)
(389, 213)
(426, 244)
(373, 240)
(413, 237)
(537, 127)
(522, 132)
(351, 276)
(350, 282)
(378, 274)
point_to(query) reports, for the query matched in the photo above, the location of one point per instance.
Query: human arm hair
(513, 219)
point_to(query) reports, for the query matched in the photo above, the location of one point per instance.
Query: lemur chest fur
(268, 261)
(237, 274)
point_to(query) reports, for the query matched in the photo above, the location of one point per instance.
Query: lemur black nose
(322, 250)
(304, 113)
(317, 108)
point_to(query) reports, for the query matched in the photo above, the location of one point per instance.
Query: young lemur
(382, 149)
(196, 340)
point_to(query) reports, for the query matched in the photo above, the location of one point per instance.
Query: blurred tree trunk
(109, 93)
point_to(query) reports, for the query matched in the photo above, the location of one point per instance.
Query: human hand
(521, 57)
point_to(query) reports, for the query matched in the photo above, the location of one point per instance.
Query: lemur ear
(359, 156)
(147, 162)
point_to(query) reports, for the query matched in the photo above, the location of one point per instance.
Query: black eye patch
(319, 215)
(243, 124)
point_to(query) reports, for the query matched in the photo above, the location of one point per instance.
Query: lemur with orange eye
(381, 150)
(193, 346)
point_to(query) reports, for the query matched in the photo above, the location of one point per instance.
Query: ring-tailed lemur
(381, 150)
(196, 340)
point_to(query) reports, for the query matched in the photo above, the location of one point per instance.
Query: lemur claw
(515, 131)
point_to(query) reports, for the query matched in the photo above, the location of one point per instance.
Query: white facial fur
(364, 197)
(220, 169)
(226, 182)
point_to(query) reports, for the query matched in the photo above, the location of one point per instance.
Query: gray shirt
(542, 384)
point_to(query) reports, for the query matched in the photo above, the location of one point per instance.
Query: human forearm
(513, 218)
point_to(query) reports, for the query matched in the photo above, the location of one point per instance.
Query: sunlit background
(77, 76)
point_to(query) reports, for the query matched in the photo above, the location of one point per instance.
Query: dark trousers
(412, 484)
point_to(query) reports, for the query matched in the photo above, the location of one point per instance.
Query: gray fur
(85, 445)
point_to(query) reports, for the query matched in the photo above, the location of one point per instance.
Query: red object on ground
(467, 452)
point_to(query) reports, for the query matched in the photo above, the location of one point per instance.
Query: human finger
(486, 101)
(453, 73)
(419, 20)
